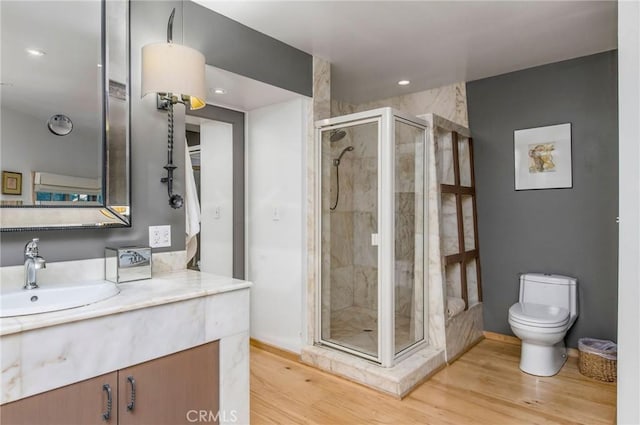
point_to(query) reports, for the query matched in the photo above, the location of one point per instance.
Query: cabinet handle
(107, 415)
(132, 402)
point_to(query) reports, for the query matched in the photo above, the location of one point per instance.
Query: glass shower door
(409, 231)
(349, 252)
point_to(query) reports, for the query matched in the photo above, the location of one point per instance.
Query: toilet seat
(539, 315)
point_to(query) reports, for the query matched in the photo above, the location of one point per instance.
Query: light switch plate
(160, 236)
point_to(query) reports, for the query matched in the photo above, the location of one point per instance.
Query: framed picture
(11, 183)
(543, 157)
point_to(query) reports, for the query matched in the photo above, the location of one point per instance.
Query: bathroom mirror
(65, 59)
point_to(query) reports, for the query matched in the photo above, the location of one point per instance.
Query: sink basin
(54, 298)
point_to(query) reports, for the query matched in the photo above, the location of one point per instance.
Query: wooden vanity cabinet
(169, 390)
(172, 389)
(80, 403)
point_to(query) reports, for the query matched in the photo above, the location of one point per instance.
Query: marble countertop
(163, 288)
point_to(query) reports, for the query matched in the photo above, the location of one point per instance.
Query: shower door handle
(374, 239)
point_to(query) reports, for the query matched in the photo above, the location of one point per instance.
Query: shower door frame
(385, 118)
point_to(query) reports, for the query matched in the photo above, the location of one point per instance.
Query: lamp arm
(170, 26)
(175, 200)
(170, 125)
(163, 100)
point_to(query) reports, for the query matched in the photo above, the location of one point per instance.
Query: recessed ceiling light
(219, 91)
(36, 52)
(404, 82)
(99, 65)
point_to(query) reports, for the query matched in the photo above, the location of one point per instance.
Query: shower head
(336, 161)
(336, 134)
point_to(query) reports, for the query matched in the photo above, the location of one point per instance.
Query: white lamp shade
(174, 68)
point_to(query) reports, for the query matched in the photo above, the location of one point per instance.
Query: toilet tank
(550, 289)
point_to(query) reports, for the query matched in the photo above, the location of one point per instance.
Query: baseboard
(289, 355)
(420, 382)
(466, 349)
(509, 339)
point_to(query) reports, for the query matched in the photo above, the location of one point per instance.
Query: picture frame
(11, 183)
(542, 157)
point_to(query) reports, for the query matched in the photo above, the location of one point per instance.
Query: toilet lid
(539, 315)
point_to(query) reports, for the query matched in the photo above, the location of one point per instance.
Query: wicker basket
(598, 359)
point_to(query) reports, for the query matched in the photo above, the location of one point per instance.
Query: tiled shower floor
(357, 328)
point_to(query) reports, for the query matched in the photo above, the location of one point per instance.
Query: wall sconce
(176, 74)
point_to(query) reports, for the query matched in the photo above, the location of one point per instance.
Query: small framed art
(11, 183)
(542, 157)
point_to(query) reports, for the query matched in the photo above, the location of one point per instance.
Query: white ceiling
(373, 44)
(242, 93)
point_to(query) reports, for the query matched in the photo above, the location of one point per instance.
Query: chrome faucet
(32, 262)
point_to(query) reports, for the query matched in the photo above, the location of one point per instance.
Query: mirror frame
(21, 218)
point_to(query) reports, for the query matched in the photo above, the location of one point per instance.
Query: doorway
(215, 139)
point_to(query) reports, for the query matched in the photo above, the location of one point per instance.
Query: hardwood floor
(484, 386)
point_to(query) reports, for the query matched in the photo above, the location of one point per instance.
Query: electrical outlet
(160, 236)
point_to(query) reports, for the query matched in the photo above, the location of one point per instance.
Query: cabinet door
(82, 403)
(176, 389)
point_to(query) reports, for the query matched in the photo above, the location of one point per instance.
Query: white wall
(629, 242)
(276, 201)
(28, 145)
(216, 197)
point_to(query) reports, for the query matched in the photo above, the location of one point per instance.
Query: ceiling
(373, 44)
(242, 93)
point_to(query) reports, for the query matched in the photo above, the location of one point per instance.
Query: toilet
(547, 308)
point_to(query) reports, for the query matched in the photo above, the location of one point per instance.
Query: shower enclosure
(372, 241)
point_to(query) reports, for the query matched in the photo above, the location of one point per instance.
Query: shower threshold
(397, 381)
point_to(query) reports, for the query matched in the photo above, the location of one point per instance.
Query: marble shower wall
(350, 271)
(365, 215)
(449, 215)
(337, 233)
(409, 224)
(349, 262)
(449, 102)
(458, 333)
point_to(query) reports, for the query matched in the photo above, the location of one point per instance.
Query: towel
(455, 306)
(191, 207)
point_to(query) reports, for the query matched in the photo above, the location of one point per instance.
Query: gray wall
(148, 146)
(237, 48)
(565, 231)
